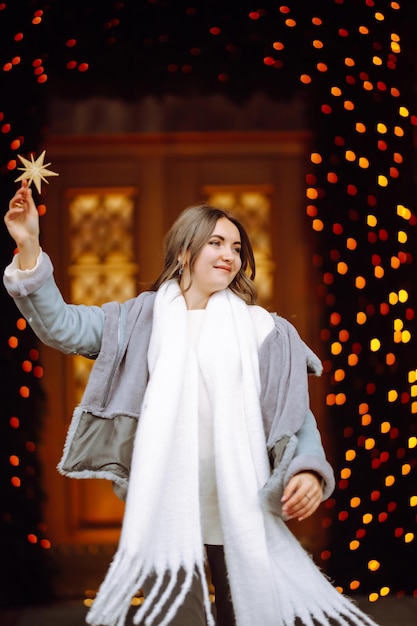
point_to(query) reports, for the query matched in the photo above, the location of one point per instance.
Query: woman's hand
(22, 221)
(302, 496)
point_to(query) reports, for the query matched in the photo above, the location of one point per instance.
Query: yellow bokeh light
(366, 419)
(340, 399)
(316, 158)
(381, 128)
(403, 295)
(405, 336)
(350, 155)
(408, 537)
(355, 502)
(339, 375)
(384, 591)
(345, 473)
(392, 395)
(398, 324)
(353, 360)
(374, 565)
(361, 317)
(403, 111)
(311, 193)
(375, 344)
(373, 597)
(354, 545)
(318, 225)
(389, 480)
(379, 271)
(398, 131)
(382, 180)
(360, 282)
(371, 220)
(369, 443)
(393, 298)
(317, 44)
(342, 267)
(377, 60)
(364, 30)
(412, 442)
(367, 518)
(412, 376)
(330, 399)
(385, 427)
(379, 16)
(363, 162)
(360, 127)
(402, 236)
(350, 455)
(397, 336)
(351, 244)
(336, 348)
(395, 47)
(413, 501)
(403, 211)
(367, 85)
(406, 469)
(349, 62)
(348, 105)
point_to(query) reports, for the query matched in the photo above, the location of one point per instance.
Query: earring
(181, 271)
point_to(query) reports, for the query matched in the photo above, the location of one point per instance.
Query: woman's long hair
(190, 232)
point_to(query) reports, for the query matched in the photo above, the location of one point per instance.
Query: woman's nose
(227, 253)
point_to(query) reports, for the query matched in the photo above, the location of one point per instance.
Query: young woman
(197, 409)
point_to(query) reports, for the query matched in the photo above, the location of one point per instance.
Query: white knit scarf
(272, 579)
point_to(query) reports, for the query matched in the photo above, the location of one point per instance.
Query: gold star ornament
(35, 171)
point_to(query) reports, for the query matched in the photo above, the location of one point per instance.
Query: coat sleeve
(310, 456)
(72, 329)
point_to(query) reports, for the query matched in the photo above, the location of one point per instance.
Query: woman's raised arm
(22, 221)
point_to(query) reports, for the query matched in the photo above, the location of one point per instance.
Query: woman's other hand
(302, 496)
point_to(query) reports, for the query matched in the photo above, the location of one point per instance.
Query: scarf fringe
(115, 595)
(341, 611)
(112, 604)
(305, 592)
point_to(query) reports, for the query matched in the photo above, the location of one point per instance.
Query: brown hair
(190, 232)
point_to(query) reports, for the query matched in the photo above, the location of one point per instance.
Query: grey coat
(100, 438)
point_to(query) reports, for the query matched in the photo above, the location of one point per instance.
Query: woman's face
(216, 265)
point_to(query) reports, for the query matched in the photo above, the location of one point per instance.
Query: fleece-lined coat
(100, 437)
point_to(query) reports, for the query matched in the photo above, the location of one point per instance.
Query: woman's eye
(215, 243)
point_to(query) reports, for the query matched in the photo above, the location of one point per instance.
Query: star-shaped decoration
(35, 171)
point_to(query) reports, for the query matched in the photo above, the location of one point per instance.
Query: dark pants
(192, 612)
